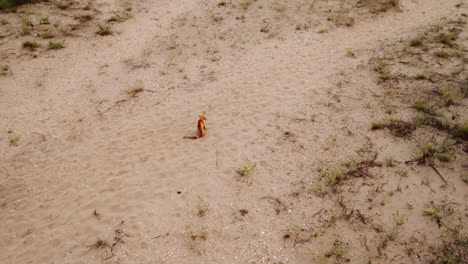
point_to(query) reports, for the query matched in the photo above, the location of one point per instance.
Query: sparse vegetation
(9, 3)
(416, 42)
(64, 4)
(421, 107)
(4, 69)
(30, 45)
(45, 34)
(100, 244)
(44, 20)
(14, 141)
(202, 206)
(121, 17)
(434, 214)
(25, 28)
(195, 238)
(461, 132)
(447, 39)
(104, 30)
(55, 44)
(247, 170)
(338, 250)
(245, 4)
(134, 89)
(378, 125)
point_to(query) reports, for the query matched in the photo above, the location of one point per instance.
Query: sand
(94, 163)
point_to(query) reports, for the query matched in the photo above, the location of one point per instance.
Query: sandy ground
(91, 174)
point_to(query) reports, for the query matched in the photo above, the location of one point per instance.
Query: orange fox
(201, 129)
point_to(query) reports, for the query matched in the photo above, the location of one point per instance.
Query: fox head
(202, 116)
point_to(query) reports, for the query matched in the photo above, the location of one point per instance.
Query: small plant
(247, 170)
(15, 141)
(447, 39)
(104, 31)
(134, 89)
(416, 42)
(461, 132)
(339, 249)
(443, 157)
(421, 107)
(25, 28)
(400, 220)
(442, 54)
(83, 18)
(45, 34)
(55, 44)
(202, 207)
(457, 53)
(245, 4)
(4, 69)
(30, 45)
(120, 17)
(391, 235)
(420, 76)
(342, 19)
(195, 238)
(425, 151)
(400, 128)
(100, 244)
(64, 4)
(350, 53)
(378, 125)
(442, 91)
(390, 162)
(380, 65)
(434, 214)
(464, 177)
(278, 7)
(44, 20)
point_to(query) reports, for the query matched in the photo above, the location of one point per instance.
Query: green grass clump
(416, 42)
(420, 76)
(447, 39)
(134, 89)
(31, 45)
(15, 141)
(245, 4)
(421, 107)
(55, 44)
(442, 54)
(120, 17)
(45, 35)
(339, 249)
(443, 91)
(434, 214)
(247, 170)
(25, 28)
(4, 4)
(461, 132)
(339, 173)
(4, 69)
(377, 125)
(104, 31)
(444, 157)
(44, 21)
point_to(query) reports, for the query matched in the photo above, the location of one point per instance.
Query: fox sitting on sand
(201, 129)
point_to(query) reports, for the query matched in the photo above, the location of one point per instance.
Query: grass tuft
(247, 170)
(30, 45)
(55, 44)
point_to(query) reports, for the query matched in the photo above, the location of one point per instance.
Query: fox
(201, 127)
